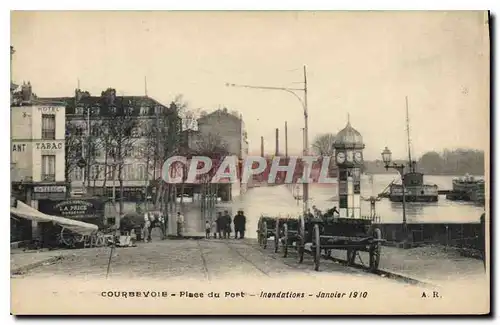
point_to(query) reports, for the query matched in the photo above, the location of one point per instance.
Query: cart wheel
(301, 238)
(375, 250)
(317, 246)
(264, 235)
(351, 256)
(285, 240)
(259, 231)
(277, 236)
(69, 239)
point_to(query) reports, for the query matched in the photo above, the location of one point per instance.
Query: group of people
(221, 226)
(153, 220)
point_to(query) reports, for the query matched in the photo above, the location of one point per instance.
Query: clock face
(350, 156)
(340, 157)
(358, 156)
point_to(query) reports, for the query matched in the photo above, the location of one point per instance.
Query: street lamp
(387, 158)
(303, 102)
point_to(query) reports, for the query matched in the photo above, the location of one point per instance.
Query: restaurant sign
(53, 192)
(49, 189)
(77, 209)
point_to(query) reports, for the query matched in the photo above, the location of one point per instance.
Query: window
(141, 172)
(94, 172)
(48, 168)
(79, 111)
(48, 127)
(144, 110)
(109, 173)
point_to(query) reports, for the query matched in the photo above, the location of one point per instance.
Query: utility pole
(306, 117)
(12, 51)
(277, 152)
(306, 143)
(286, 140)
(86, 152)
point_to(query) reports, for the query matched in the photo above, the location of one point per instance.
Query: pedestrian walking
(219, 225)
(208, 228)
(180, 223)
(239, 225)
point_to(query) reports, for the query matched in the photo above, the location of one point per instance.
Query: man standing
(180, 223)
(239, 225)
(147, 227)
(219, 225)
(161, 220)
(227, 224)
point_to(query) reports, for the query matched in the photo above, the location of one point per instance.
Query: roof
(348, 137)
(219, 112)
(97, 101)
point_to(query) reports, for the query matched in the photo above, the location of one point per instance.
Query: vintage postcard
(250, 162)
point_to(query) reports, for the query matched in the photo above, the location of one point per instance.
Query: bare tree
(210, 145)
(323, 144)
(72, 148)
(119, 124)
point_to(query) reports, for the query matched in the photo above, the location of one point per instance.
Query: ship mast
(410, 162)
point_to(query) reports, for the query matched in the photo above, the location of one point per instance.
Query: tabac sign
(49, 146)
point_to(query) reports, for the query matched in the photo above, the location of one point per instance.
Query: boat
(467, 188)
(415, 188)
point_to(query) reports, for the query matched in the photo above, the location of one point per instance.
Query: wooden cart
(349, 234)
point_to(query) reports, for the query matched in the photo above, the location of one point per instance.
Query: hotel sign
(48, 109)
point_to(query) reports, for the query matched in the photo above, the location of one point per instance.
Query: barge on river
(467, 188)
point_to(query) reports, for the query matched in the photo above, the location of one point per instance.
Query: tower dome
(349, 137)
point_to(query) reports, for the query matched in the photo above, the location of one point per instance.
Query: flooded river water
(279, 200)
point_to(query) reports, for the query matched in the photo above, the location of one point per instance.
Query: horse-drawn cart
(351, 235)
(267, 227)
(321, 236)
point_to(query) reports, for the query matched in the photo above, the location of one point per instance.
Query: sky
(361, 64)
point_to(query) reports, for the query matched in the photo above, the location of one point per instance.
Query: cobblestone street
(230, 267)
(184, 259)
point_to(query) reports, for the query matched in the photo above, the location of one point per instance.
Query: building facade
(230, 129)
(37, 150)
(90, 138)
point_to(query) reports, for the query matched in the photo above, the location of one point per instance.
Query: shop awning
(23, 210)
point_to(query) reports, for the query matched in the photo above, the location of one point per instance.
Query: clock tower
(349, 147)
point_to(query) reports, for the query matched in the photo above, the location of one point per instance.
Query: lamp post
(303, 102)
(387, 158)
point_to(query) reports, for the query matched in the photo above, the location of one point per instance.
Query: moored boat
(467, 188)
(415, 189)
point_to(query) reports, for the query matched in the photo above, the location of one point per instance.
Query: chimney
(26, 91)
(277, 142)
